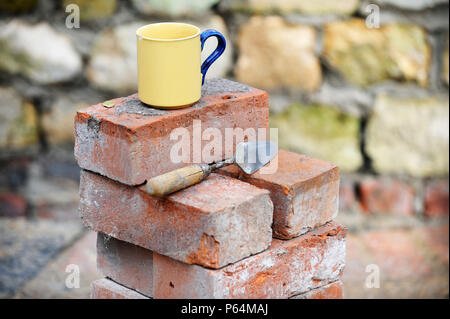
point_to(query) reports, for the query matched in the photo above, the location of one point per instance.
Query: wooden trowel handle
(176, 180)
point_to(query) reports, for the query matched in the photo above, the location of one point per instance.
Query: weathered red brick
(125, 263)
(304, 192)
(396, 254)
(216, 222)
(387, 196)
(286, 269)
(437, 199)
(108, 289)
(347, 196)
(357, 259)
(130, 144)
(12, 205)
(57, 212)
(334, 290)
(132, 266)
(436, 241)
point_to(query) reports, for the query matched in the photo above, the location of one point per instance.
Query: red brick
(304, 192)
(357, 259)
(12, 205)
(216, 222)
(436, 198)
(396, 253)
(56, 212)
(108, 289)
(387, 196)
(435, 240)
(347, 196)
(410, 265)
(286, 269)
(132, 148)
(334, 290)
(125, 263)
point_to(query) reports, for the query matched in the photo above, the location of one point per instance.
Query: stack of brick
(230, 236)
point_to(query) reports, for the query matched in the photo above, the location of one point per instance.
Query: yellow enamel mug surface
(170, 74)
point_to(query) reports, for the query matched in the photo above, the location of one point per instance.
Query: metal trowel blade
(251, 156)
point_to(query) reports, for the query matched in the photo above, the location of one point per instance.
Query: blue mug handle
(217, 52)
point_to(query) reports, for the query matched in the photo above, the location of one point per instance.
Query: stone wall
(374, 100)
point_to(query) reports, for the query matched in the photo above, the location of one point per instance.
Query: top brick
(131, 142)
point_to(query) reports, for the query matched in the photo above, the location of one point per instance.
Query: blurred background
(364, 84)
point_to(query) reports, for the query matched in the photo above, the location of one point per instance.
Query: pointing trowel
(249, 156)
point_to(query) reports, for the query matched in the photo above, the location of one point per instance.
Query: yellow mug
(170, 73)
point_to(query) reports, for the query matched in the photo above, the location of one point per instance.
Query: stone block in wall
(445, 61)
(18, 6)
(93, 9)
(57, 122)
(274, 54)
(409, 135)
(369, 55)
(18, 120)
(320, 131)
(411, 5)
(316, 7)
(37, 52)
(49, 196)
(174, 8)
(112, 65)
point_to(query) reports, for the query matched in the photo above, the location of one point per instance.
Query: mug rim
(167, 40)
